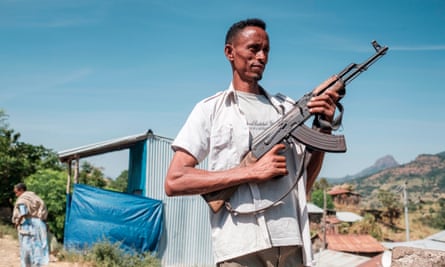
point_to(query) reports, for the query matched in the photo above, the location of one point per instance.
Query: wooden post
(324, 218)
(405, 204)
(76, 171)
(68, 183)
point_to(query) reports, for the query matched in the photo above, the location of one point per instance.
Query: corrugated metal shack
(186, 239)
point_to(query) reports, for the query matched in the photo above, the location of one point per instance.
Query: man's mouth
(258, 67)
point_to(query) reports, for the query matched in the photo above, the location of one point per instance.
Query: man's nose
(262, 55)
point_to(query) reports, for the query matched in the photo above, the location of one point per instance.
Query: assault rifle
(292, 125)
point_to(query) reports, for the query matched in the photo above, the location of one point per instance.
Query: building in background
(185, 239)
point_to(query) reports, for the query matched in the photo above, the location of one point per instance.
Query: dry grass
(417, 229)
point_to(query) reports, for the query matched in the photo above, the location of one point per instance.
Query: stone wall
(415, 257)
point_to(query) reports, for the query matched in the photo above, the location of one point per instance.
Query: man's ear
(228, 51)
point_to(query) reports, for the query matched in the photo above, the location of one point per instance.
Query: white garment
(217, 129)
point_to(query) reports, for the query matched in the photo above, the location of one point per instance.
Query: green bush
(317, 199)
(7, 229)
(50, 185)
(107, 254)
(367, 226)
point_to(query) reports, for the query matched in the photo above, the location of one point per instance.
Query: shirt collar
(275, 103)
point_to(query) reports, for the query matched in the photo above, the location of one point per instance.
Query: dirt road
(9, 252)
(10, 257)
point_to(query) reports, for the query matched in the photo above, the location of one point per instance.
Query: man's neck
(248, 87)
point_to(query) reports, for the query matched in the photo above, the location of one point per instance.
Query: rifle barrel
(359, 68)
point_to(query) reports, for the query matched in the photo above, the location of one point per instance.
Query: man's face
(17, 192)
(248, 53)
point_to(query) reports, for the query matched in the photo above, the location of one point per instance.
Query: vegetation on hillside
(368, 226)
(381, 192)
(424, 177)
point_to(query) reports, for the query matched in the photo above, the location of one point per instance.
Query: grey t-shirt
(260, 114)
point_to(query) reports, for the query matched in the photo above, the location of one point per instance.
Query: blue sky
(78, 72)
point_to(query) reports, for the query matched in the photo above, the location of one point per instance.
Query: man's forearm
(314, 168)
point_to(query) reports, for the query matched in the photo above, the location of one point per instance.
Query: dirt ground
(10, 257)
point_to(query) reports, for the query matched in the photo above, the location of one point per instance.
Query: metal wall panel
(186, 240)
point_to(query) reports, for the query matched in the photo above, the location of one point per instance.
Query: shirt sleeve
(194, 136)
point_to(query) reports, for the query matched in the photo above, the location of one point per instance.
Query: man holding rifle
(221, 127)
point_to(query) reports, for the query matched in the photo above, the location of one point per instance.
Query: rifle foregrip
(319, 141)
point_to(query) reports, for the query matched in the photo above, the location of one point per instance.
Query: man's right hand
(270, 165)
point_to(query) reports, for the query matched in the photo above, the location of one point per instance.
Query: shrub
(7, 230)
(107, 254)
(50, 185)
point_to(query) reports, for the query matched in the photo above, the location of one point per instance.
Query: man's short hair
(240, 25)
(20, 186)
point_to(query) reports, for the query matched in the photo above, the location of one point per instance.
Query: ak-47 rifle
(292, 125)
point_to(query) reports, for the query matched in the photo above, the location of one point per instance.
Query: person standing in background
(29, 217)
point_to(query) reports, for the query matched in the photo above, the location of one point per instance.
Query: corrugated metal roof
(436, 242)
(331, 258)
(440, 237)
(354, 243)
(104, 146)
(312, 208)
(381, 260)
(338, 191)
(346, 216)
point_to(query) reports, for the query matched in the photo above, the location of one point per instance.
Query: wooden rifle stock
(216, 199)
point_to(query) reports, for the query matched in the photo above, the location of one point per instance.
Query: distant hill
(382, 163)
(425, 178)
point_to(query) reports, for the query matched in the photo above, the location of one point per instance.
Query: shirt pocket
(221, 138)
(222, 148)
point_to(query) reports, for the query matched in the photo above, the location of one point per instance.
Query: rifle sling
(302, 166)
(320, 122)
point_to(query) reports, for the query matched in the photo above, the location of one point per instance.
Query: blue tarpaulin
(95, 215)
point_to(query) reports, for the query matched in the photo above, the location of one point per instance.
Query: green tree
(3, 118)
(120, 183)
(438, 221)
(317, 199)
(391, 204)
(91, 175)
(19, 160)
(367, 226)
(321, 183)
(50, 185)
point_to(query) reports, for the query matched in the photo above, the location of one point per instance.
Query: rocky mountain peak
(385, 162)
